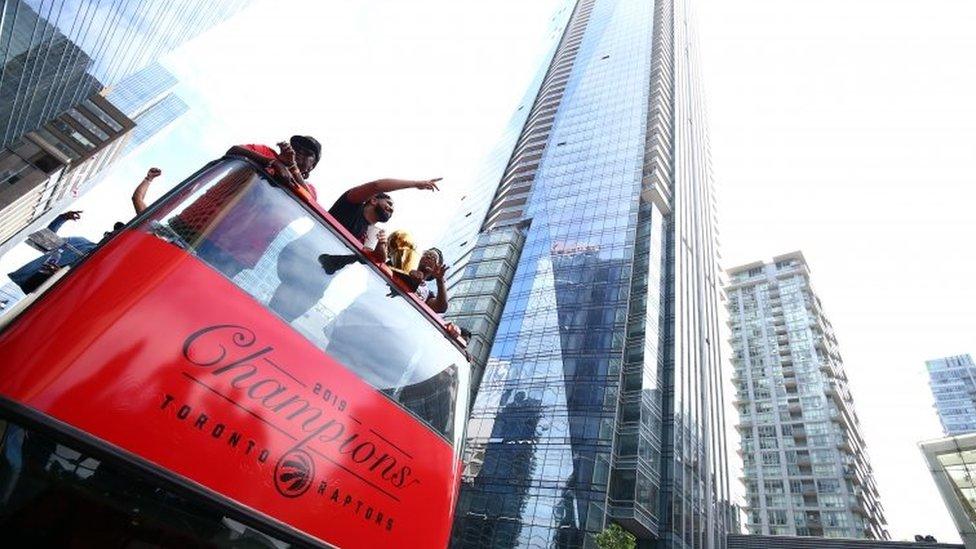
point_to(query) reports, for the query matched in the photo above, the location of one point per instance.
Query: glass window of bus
(53, 495)
(287, 258)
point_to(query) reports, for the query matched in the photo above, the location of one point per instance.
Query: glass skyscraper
(953, 382)
(805, 463)
(147, 98)
(57, 55)
(589, 281)
(154, 120)
(58, 52)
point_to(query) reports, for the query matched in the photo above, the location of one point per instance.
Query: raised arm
(439, 302)
(362, 193)
(287, 158)
(139, 195)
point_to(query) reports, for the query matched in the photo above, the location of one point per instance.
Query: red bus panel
(149, 349)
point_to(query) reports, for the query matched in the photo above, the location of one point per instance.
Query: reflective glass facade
(57, 52)
(57, 55)
(147, 98)
(601, 397)
(953, 382)
(136, 93)
(806, 467)
(156, 119)
(44, 72)
(952, 463)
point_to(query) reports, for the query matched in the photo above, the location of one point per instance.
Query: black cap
(308, 143)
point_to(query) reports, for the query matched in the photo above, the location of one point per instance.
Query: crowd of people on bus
(360, 210)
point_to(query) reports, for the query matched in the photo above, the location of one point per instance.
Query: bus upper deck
(230, 370)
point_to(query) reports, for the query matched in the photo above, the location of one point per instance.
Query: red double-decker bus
(229, 370)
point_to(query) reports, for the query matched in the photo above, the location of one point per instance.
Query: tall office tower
(590, 287)
(147, 97)
(57, 54)
(154, 120)
(953, 382)
(806, 469)
(140, 91)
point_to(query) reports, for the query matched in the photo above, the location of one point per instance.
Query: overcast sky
(845, 129)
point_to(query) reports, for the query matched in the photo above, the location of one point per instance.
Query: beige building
(52, 163)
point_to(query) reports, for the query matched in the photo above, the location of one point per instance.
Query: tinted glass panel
(52, 495)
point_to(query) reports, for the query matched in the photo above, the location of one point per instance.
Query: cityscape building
(806, 469)
(57, 56)
(953, 383)
(740, 541)
(148, 98)
(588, 276)
(10, 295)
(49, 165)
(952, 463)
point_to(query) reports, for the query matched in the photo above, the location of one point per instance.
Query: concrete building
(589, 277)
(48, 165)
(953, 383)
(806, 469)
(738, 541)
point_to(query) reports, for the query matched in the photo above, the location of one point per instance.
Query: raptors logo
(294, 473)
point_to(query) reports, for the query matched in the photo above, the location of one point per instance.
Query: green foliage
(615, 537)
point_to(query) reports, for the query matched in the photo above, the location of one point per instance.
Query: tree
(615, 537)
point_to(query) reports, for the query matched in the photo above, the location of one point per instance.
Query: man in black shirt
(364, 206)
(357, 210)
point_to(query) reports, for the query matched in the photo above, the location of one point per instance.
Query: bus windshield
(297, 265)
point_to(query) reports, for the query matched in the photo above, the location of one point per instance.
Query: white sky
(845, 129)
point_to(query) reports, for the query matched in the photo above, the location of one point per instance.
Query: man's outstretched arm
(59, 220)
(362, 193)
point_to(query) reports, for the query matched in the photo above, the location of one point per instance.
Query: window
(101, 114)
(776, 516)
(88, 124)
(67, 130)
(55, 494)
(827, 486)
(46, 163)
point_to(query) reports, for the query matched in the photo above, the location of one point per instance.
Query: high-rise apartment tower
(589, 276)
(806, 469)
(953, 382)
